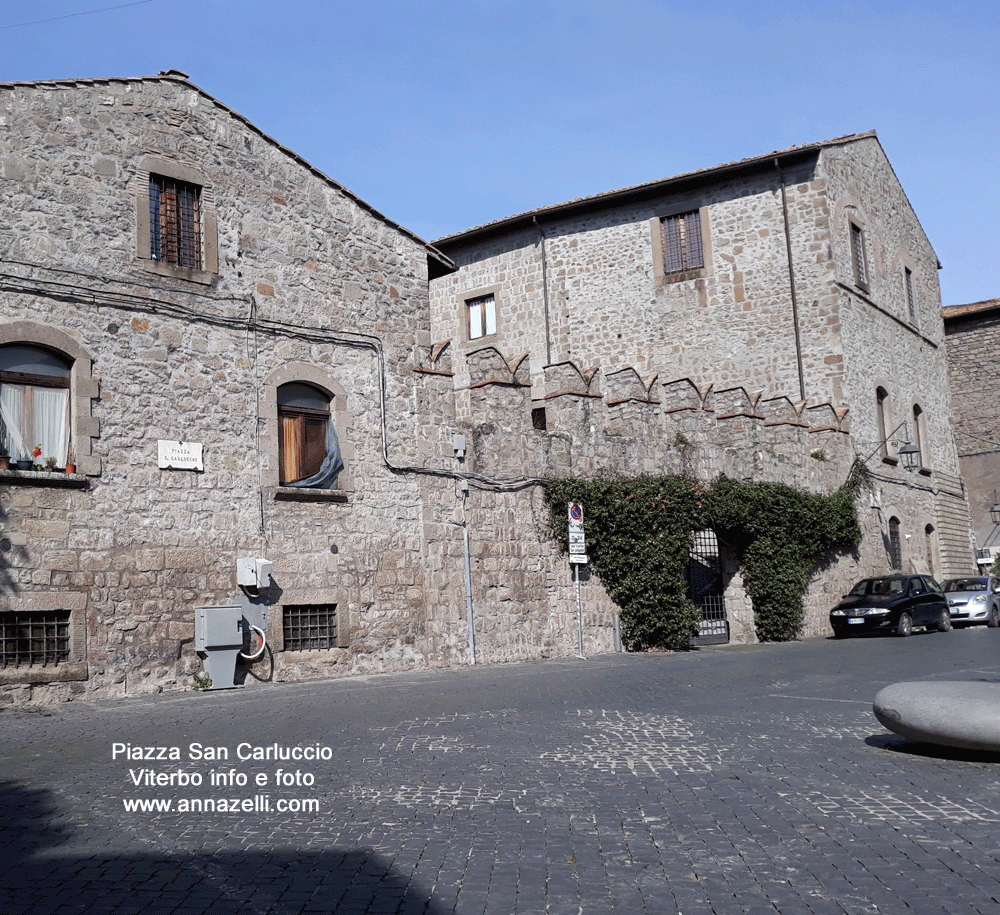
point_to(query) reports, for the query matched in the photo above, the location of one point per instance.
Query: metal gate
(706, 588)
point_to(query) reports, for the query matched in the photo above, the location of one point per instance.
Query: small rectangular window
(858, 257)
(175, 222)
(910, 303)
(538, 420)
(682, 244)
(482, 316)
(310, 627)
(29, 639)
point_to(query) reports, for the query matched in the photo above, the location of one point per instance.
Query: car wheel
(944, 625)
(994, 618)
(905, 625)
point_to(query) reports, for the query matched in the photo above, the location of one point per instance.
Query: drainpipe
(468, 574)
(458, 442)
(791, 282)
(545, 292)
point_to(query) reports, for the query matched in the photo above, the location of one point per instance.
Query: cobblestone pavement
(725, 780)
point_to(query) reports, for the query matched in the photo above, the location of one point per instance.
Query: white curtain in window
(475, 319)
(51, 426)
(490, 304)
(12, 412)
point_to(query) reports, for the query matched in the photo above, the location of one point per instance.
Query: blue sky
(445, 115)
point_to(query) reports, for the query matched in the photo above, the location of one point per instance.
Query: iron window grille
(482, 316)
(910, 303)
(29, 639)
(895, 545)
(881, 410)
(175, 222)
(858, 257)
(310, 627)
(706, 587)
(682, 244)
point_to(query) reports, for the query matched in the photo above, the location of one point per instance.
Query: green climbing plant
(639, 533)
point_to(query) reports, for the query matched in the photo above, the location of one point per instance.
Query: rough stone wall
(303, 270)
(885, 347)
(632, 362)
(311, 284)
(971, 343)
(606, 307)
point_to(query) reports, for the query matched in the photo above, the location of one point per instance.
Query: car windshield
(965, 584)
(878, 586)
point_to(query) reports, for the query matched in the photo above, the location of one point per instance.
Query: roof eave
(639, 193)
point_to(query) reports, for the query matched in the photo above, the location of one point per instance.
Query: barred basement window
(29, 639)
(175, 222)
(682, 244)
(307, 628)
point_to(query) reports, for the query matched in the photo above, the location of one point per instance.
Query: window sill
(58, 673)
(304, 494)
(44, 478)
(203, 277)
(681, 276)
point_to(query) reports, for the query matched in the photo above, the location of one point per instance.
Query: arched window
(308, 451)
(882, 414)
(929, 546)
(895, 546)
(34, 403)
(919, 439)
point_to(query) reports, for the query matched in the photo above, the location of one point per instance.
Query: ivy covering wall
(639, 534)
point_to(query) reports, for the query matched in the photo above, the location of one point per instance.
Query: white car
(974, 600)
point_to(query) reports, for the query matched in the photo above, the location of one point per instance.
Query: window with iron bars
(175, 222)
(895, 545)
(858, 257)
(910, 301)
(309, 627)
(682, 244)
(29, 639)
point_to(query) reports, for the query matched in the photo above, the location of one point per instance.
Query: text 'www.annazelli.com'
(259, 803)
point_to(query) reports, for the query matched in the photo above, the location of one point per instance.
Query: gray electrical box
(220, 634)
(217, 628)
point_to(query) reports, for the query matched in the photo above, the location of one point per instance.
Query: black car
(891, 603)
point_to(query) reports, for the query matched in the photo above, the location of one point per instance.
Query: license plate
(857, 620)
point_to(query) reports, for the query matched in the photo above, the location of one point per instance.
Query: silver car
(974, 600)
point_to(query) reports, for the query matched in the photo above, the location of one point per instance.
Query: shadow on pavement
(899, 744)
(35, 879)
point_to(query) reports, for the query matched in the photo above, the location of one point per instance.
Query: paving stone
(530, 788)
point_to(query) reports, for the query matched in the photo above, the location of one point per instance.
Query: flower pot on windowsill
(71, 468)
(4, 462)
(24, 464)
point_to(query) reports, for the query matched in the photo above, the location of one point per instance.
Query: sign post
(578, 557)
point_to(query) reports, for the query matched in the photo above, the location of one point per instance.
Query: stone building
(972, 340)
(192, 317)
(788, 303)
(227, 356)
